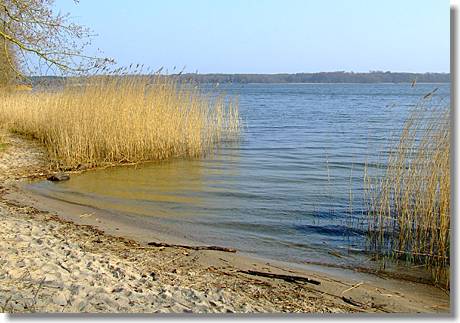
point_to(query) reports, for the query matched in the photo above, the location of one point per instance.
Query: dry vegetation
(7, 61)
(120, 119)
(2, 143)
(409, 207)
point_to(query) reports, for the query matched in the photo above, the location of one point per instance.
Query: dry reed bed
(409, 207)
(120, 119)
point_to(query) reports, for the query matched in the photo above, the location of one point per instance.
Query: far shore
(61, 257)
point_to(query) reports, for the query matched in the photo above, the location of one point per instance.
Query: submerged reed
(104, 120)
(409, 207)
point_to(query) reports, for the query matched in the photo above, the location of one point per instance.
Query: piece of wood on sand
(217, 248)
(288, 278)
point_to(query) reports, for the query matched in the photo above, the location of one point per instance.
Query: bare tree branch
(33, 35)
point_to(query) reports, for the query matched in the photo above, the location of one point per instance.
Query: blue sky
(270, 36)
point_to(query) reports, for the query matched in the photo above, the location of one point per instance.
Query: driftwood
(217, 248)
(58, 177)
(288, 278)
(352, 302)
(428, 255)
(352, 287)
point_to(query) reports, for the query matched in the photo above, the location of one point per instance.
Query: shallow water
(290, 189)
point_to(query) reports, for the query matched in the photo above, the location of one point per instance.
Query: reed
(102, 120)
(409, 206)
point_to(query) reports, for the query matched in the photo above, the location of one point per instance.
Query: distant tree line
(322, 77)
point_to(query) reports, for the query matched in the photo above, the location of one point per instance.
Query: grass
(409, 207)
(103, 120)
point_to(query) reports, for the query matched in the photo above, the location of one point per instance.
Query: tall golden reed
(104, 120)
(409, 207)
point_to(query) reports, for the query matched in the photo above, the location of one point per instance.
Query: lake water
(284, 190)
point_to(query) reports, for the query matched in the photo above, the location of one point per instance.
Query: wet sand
(59, 257)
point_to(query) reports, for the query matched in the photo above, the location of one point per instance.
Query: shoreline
(135, 228)
(190, 280)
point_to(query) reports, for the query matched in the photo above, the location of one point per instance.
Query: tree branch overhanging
(34, 36)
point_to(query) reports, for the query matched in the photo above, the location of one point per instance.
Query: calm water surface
(283, 192)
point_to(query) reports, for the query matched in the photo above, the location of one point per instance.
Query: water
(284, 191)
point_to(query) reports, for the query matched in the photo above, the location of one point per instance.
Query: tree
(35, 39)
(7, 60)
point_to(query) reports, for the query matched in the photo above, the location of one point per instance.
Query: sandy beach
(57, 258)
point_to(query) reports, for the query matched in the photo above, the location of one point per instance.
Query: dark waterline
(283, 191)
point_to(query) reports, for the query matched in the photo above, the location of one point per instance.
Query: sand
(67, 261)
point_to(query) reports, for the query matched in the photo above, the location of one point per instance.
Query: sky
(270, 36)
